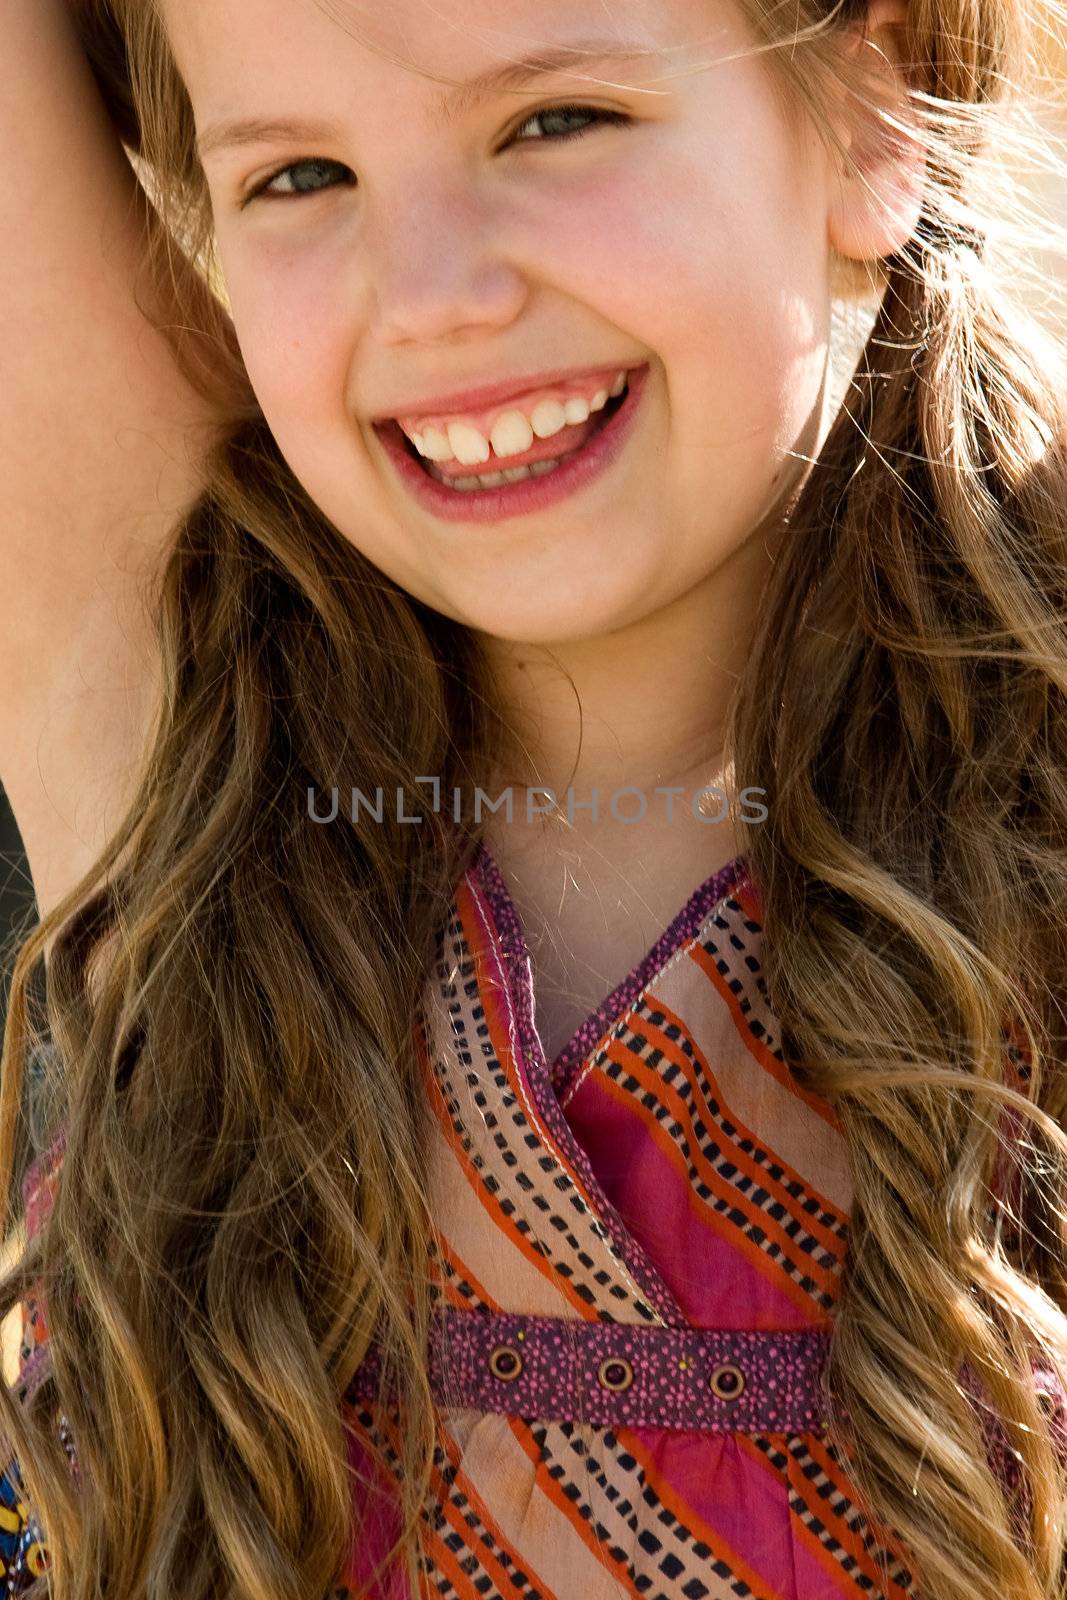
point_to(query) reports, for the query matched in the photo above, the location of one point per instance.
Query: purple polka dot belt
(557, 1369)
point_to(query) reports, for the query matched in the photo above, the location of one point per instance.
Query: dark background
(17, 915)
(16, 892)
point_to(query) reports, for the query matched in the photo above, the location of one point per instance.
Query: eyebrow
(516, 74)
(463, 99)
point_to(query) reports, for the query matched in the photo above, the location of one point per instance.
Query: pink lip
(496, 394)
(532, 494)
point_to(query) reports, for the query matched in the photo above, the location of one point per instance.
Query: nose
(437, 269)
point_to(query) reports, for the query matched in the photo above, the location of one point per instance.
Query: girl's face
(417, 247)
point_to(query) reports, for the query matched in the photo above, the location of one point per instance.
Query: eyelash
(597, 116)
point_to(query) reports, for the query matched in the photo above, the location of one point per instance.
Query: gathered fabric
(640, 1252)
(637, 1258)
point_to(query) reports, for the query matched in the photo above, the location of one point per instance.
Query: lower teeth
(494, 480)
(497, 480)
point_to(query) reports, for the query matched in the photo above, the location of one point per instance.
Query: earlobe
(877, 206)
(878, 195)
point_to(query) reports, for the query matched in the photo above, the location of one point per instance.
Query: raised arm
(99, 441)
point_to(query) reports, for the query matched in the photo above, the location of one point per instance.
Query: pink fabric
(663, 1189)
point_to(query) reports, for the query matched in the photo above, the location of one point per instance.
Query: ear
(878, 195)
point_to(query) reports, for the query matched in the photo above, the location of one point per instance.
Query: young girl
(440, 595)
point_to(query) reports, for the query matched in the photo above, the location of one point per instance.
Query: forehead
(293, 45)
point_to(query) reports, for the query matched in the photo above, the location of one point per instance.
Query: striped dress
(638, 1255)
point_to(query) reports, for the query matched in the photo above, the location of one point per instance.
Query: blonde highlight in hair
(230, 991)
(904, 698)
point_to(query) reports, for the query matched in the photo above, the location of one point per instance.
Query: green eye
(305, 177)
(555, 114)
(317, 174)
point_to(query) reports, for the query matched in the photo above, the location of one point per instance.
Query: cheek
(719, 267)
(289, 315)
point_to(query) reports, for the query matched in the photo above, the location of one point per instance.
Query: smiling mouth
(497, 467)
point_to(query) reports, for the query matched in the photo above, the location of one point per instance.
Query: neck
(647, 705)
(642, 706)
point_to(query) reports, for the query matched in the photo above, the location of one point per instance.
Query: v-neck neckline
(682, 927)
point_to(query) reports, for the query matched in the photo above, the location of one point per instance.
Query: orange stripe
(489, 990)
(766, 1058)
(486, 1557)
(815, 1547)
(448, 1559)
(447, 1562)
(691, 1519)
(492, 1526)
(497, 1005)
(491, 1206)
(826, 1277)
(850, 1541)
(374, 1440)
(748, 898)
(430, 1538)
(854, 1548)
(800, 1530)
(837, 1475)
(830, 1238)
(830, 1241)
(451, 1291)
(552, 1492)
(715, 1223)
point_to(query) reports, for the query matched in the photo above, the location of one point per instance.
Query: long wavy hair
(230, 989)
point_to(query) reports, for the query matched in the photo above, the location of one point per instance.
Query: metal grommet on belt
(727, 1382)
(615, 1373)
(505, 1363)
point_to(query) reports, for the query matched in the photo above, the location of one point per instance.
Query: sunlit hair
(230, 990)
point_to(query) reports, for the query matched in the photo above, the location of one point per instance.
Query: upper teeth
(513, 432)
